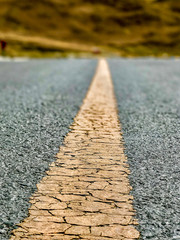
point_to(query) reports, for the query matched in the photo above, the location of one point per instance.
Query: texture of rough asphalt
(85, 194)
(38, 101)
(148, 94)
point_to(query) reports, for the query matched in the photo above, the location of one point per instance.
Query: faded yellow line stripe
(85, 194)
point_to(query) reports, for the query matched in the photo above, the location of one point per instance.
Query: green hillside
(119, 27)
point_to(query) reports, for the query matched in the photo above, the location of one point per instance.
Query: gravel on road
(38, 101)
(148, 94)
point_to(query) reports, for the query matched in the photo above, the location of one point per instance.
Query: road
(38, 101)
(40, 98)
(148, 94)
(86, 192)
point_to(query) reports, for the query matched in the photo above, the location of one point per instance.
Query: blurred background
(60, 28)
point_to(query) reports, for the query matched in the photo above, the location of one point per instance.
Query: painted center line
(85, 194)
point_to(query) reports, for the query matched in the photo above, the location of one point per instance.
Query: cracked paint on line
(85, 194)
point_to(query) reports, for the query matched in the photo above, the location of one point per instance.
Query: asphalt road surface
(38, 100)
(148, 94)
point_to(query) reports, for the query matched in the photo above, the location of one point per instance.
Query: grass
(45, 28)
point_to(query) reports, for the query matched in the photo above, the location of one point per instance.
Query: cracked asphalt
(40, 98)
(85, 194)
(38, 101)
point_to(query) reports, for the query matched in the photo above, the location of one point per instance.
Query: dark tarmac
(38, 101)
(148, 94)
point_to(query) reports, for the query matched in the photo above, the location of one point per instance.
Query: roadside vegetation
(118, 27)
